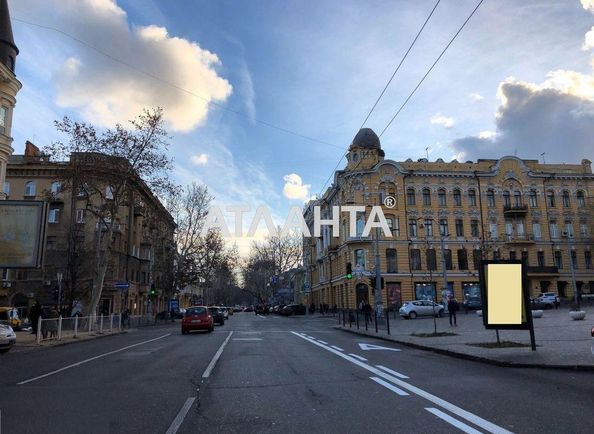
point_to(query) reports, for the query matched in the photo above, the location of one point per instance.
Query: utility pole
(60, 275)
(379, 305)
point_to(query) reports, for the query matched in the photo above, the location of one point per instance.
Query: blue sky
(314, 68)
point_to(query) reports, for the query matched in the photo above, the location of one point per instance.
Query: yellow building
(450, 214)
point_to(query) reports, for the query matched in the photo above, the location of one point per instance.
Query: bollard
(101, 324)
(375, 316)
(120, 323)
(39, 330)
(111, 323)
(343, 318)
(75, 325)
(90, 322)
(60, 328)
(388, 323)
(357, 320)
(366, 321)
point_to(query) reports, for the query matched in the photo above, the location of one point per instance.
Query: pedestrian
(52, 325)
(452, 308)
(367, 309)
(172, 313)
(312, 308)
(361, 305)
(321, 308)
(34, 315)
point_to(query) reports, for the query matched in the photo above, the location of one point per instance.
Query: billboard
(22, 233)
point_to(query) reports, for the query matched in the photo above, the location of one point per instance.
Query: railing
(515, 208)
(542, 270)
(355, 318)
(72, 327)
(512, 238)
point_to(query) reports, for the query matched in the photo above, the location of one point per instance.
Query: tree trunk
(102, 262)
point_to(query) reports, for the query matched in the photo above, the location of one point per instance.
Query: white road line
(390, 371)
(322, 342)
(180, 416)
(449, 419)
(336, 348)
(485, 424)
(82, 362)
(246, 339)
(389, 386)
(363, 359)
(261, 316)
(213, 362)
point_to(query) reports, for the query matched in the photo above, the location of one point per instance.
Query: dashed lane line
(392, 372)
(336, 348)
(181, 415)
(449, 419)
(213, 362)
(389, 386)
(363, 359)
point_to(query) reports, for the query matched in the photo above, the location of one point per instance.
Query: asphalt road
(273, 374)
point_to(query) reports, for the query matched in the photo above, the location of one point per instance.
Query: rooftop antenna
(427, 152)
(543, 158)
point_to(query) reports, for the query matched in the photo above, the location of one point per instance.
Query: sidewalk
(561, 342)
(27, 340)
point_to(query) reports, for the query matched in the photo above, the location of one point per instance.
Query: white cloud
(106, 91)
(487, 134)
(199, 160)
(588, 40)
(475, 97)
(445, 121)
(588, 5)
(294, 187)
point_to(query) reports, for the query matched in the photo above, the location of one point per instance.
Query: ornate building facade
(444, 218)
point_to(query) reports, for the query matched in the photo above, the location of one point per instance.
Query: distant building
(506, 208)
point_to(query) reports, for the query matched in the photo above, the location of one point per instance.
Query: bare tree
(104, 170)
(283, 251)
(257, 274)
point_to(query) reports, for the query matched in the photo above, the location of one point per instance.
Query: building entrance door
(362, 293)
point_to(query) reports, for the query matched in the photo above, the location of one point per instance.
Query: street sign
(122, 285)
(367, 347)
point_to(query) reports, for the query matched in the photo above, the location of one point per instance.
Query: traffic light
(153, 291)
(349, 271)
(372, 282)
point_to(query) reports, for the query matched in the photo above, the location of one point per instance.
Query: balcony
(515, 209)
(519, 239)
(545, 271)
(358, 238)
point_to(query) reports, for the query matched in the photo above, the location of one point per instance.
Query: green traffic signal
(349, 271)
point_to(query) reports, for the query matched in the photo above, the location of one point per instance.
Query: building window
(80, 216)
(426, 197)
(581, 200)
(490, 198)
(391, 260)
(558, 259)
(30, 189)
(566, 201)
(536, 230)
(551, 198)
(476, 256)
(472, 197)
(553, 229)
(56, 186)
(540, 259)
(512, 255)
(360, 258)
(6, 188)
(533, 199)
(568, 229)
(447, 257)
(443, 227)
(518, 199)
(459, 228)
(410, 196)
(415, 259)
(53, 216)
(109, 192)
(431, 259)
(474, 228)
(412, 226)
(428, 227)
(493, 230)
(574, 259)
(457, 198)
(584, 230)
(506, 199)
(525, 257)
(395, 228)
(441, 195)
(462, 259)
(588, 260)
(360, 223)
(51, 243)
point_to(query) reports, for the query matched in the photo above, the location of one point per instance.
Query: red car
(197, 318)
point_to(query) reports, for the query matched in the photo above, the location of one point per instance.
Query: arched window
(410, 196)
(426, 197)
(30, 189)
(457, 197)
(472, 197)
(551, 198)
(566, 202)
(533, 200)
(581, 200)
(490, 197)
(56, 186)
(517, 198)
(441, 194)
(506, 199)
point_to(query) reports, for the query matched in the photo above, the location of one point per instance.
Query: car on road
(7, 338)
(278, 308)
(412, 309)
(237, 309)
(10, 316)
(549, 300)
(472, 304)
(262, 310)
(225, 312)
(217, 315)
(230, 310)
(293, 309)
(197, 318)
(248, 309)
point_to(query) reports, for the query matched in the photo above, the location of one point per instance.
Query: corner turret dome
(366, 138)
(8, 49)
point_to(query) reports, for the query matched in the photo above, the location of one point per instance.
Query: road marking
(180, 416)
(449, 419)
(213, 362)
(366, 347)
(483, 423)
(363, 359)
(336, 348)
(390, 371)
(82, 362)
(389, 386)
(322, 342)
(261, 316)
(247, 339)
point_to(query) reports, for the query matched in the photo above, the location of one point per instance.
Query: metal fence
(355, 318)
(72, 327)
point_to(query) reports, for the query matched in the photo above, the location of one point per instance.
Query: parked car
(592, 333)
(217, 315)
(549, 300)
(412, 309)
(10, 316)
(248, 309)
(197, 318)
(278, 308)
(7, 338)
(472, 304)
(293, 309)
(237, 309)
(262, 310)
(230, 310)
(225, 312)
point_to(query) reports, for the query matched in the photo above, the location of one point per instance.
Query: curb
(69, 342)
(478, 359)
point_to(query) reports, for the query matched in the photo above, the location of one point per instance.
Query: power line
(432, 66)
(175, 86)
(384, 89)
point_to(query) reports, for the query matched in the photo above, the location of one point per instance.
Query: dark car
(278, 308)
(249, 309)
(197, 318)
(262, 310)
(472, 304)
(217, 314)
(293, 309)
